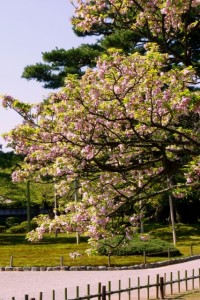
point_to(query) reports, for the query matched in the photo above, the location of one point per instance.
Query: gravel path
(17, 284)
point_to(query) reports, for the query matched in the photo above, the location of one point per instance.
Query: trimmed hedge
(12, 221)
(136, 246)
(21, 228)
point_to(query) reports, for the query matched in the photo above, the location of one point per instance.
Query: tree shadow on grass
(7, 239)
(15, 239)
(183, 232)
(62, 240)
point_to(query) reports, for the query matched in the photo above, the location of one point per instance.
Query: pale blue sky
(28, 28)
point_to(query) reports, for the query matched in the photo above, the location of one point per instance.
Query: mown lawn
(187, 236)
(50, 250)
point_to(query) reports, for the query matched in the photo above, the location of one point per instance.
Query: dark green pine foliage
(59, 63)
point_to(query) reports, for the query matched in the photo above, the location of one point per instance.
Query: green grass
(49, 251)
(187, 235)
(192, 295)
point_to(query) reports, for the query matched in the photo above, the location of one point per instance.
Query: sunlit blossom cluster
(158, 14)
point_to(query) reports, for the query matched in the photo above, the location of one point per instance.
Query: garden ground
(17, 284)
(49, 251)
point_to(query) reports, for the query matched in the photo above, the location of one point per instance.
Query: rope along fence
(157, 289)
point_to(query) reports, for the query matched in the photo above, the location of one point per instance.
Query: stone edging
(104, 268)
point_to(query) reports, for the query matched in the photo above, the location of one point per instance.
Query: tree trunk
(172, 216)
(28, 207)
(76, 199)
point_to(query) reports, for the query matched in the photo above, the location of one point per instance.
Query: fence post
(162, 294)
(99, 290)
(171, 282)
(88, 290)
(191, 250)
(119, 289)
(103, 293)
(129, 286)
(65, 293)
(138, 286)
(186, 281)
(165, 280)
(40, 296)
(145, 258)
(11, 261)
(26, 297)
(109, 289)
(77, 291)
(199, 279)
(168, 251)
(53, 295)
(193, 279)
(61, 261)
(179, 282)
(148, 283)
(157, 286)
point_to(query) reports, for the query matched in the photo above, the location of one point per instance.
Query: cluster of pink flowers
(152, 12)
(75, 255)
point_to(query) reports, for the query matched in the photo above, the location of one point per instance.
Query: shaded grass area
(50, 250)
(185, 233)
(186, 296)
(187, 236)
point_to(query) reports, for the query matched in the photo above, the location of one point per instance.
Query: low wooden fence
(159, 289)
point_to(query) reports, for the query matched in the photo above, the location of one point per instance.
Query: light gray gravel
(17, 284)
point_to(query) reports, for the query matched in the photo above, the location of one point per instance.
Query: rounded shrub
(21, 228)
(12, 221)
(136, 246)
